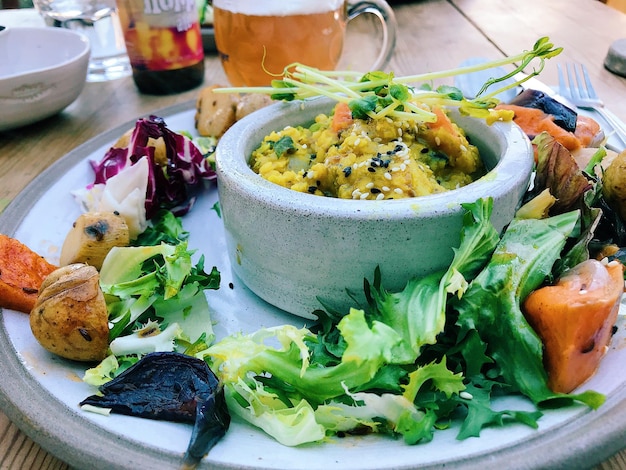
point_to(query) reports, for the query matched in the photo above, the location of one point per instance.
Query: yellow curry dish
(349, 158)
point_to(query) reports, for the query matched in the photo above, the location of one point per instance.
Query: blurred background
(6, 4)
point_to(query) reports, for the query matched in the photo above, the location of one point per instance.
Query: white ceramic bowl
(43, 70)
(292, 248)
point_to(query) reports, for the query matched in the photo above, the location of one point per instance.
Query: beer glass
(256, 40)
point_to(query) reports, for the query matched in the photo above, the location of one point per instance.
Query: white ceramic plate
(40, 392)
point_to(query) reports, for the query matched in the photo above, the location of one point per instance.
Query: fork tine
(588, 85)
(563, 88)
(573, 88)
(582, 89)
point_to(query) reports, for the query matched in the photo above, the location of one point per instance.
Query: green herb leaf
(283, 145)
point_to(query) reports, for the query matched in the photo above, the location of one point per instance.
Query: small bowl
(43, 71)
(294, 249)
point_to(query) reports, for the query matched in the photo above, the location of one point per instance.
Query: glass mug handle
(387, 18)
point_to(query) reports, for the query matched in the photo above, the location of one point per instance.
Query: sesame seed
(385, 188)
(371, 169)
(387, 176)
(380, 196)
(356, 193)
(466, 395)
(463, 148)
(364, 196)
(399, 131)
(438, 141)
(374, 190)
(369, 185)
(583, 291)
(395, 168)
(312, 189)
(347, 171)
(357, 141)
(403, 167)
(398, 191)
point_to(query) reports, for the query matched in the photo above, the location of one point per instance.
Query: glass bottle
(164, 44)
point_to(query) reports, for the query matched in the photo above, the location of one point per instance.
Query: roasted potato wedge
(70, 317)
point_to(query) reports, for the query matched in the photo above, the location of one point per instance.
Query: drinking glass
(99, 22)
(256, 39)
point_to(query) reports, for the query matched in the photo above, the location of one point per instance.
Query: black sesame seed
(424, 150)
(370, 169)
(312, 189)
(374, 190)
(347, 171)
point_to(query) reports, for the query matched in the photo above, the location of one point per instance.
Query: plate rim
(581, 441)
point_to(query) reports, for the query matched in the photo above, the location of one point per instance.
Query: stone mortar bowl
(295, 249)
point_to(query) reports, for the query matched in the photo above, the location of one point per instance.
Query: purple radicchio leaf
(172, 186)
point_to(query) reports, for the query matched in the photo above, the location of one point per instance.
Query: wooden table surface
(433, 35)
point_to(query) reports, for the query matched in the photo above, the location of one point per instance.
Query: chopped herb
(283, 145)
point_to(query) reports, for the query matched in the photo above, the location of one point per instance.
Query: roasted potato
(250, 103)
(70, 317)
(614, 184)
(215, 112)
(92, 236)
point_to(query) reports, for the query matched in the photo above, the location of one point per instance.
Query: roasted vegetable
(215, 113)
(249, 103)
(558, 171)
(614, 184)
(173, 387)
(91, 238)
(70, 318)
(21, 273)
(562, 116)
(536, 112)
(574, 318)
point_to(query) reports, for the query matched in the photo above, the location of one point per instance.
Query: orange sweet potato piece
(575, 318)
(534, 121)
(21, 273)
(342, 117)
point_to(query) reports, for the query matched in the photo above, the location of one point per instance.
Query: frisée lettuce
(155, 298)
(413, 361)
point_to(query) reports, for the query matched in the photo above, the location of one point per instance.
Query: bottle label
(162, 34)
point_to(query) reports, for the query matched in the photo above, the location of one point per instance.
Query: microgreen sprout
(379, 94)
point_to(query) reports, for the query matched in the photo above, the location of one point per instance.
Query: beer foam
(278, 7)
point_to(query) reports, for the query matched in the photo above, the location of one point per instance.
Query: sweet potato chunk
(574, 319)
(21, 273)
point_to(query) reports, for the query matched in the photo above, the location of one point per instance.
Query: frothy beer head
(256, 40)
(278, 7)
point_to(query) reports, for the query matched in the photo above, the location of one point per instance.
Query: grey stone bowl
(295, 249)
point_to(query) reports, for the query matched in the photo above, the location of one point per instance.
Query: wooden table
(433, 35)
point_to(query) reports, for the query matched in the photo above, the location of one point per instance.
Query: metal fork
(582, 94)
